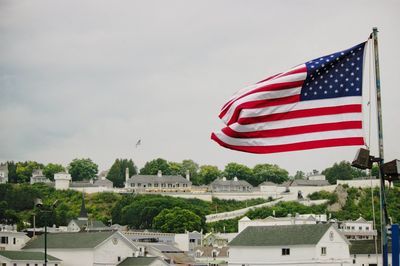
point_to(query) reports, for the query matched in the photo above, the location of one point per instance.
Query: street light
(45, 209)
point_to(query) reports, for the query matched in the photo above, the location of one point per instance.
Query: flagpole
(381, 155)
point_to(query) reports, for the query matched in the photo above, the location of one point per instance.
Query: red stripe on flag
(280, 132)
(351, 108)
(261, 104)
(270, 87)
(307, 145)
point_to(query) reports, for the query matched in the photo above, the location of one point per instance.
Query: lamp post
(45, 210)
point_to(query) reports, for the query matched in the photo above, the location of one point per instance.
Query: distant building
(86, 248)
(159, 183)
(364, 253)
(235, 185)
(278, 221)
(170, 254)
(212, 255)
(359, 229)
(309, 244)
(38, 177)
(62, 180)
(10, 239)
(188, 241)
(83, 223)
(3, 173)
(27, 258)
(150, 237)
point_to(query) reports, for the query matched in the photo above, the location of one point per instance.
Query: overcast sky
(85, 79)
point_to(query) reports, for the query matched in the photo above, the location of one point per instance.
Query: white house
(16, 258)
(87, 248)
(62, 180)
(3, 173)
(272, 221)
(359, 229)
(38, 177)
(309, 244)
(12, 240)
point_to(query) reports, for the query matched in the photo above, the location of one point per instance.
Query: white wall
(337, 248)
(108, 253)
(71, 257)
(20, 240)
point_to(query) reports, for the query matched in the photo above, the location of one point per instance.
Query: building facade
(159, 183)
(234, 185)
(310, 244)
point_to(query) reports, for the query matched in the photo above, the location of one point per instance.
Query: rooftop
(26, 255)
(308, 234)
(70, 240)
(137, 261)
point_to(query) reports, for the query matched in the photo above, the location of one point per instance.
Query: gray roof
(220, 182)
(137, 261)
(163, 248)
(70, 240)
(367, 247)
(26, 255)
(284, 235)
(304, 182)
(89, 223)
(103, 182)
(267, 183)
(158, 179)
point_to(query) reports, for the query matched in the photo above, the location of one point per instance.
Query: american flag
(314, 105)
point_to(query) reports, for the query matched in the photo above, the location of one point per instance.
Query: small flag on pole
(138, 143)
(314, 105)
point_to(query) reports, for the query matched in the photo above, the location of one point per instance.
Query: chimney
(187, 175)
(126, 174)
(159, 173)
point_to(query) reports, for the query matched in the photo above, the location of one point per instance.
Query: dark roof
(137, 261)
(158, 179)
(308, 234)
(366, 247)
(70, 240)
(26, 255)
(90, 224)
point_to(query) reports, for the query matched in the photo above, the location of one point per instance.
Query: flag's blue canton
(335, 75)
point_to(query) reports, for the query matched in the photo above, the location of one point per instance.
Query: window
(14, 241)
(119, 258)
(56, 264)
(323, 251)
(4, 240)
(155, 185)
(139, 184)
(149, 185)
(285, 251)
(132, 184)
(360, 228)
(367, 228)
(4, 264)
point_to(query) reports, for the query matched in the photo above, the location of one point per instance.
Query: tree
(51, 169)
(82, 169)
(209, 173)
(343, 171)
(193, 168)
(299, 175)
(152, 167)
(24, 170)
(117, 171)
(268, 172)
(239, 170)
(177, 220)
(175, 168)
(12, 172)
